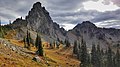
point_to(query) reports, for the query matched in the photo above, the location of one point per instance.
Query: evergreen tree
(37, 41)
(114, 61)
(79, 46)
(83, 55)
(61, 42)
(58, 39)
(28, 40)
(109, 58)
(102, 58)
(89, 60)
(0, 26)
(102, 52)
(1, 30)
(105, 58)
(24, 40)
(57, 45)
(98, 56)
(117, 58)
(38, 44)
(67, 43)
(79, 51)
(54, 44)
(75, 49)
(94, 56)
(51, 46)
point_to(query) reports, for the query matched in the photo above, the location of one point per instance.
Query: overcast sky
(67, 13)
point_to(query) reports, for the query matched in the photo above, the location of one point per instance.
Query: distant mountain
(92, 34)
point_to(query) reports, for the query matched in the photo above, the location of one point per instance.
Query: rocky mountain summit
(39, 20)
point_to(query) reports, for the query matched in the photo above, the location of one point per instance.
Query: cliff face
(38, 19)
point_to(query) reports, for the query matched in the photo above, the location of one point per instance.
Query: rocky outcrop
(17, 49)
(18, 23)
(39, 20)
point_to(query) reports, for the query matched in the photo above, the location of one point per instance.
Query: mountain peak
(37, 5)
(86, 24)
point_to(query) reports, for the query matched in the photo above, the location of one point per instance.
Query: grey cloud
(65, 4)
(62, 25)
(106, 2)
(116, 2)
(7, 16)
(110, 24)
(109, 15)
(79, 13)
(74, 17)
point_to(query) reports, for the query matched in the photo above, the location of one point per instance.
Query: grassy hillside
(54, 57)
(10, 58)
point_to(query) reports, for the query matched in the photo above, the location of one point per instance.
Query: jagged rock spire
(37, 5)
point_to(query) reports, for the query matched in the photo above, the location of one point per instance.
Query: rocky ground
(15, 56)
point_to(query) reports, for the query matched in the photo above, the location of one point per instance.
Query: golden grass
(9, 58)
(10, 34)
(55, 57)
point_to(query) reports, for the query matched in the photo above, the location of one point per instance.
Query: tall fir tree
(83, 55)
(54, 43)
(28, 40)
(94, 56)
(39, 47)
(114, 61)
(75, 49)
(24, 40)
(118, 58)
(67, 43)
(36, 41)
(99, 58)
(102, 57)
(51, 46)
(0, 29)
(79, 51)
(109, 57)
